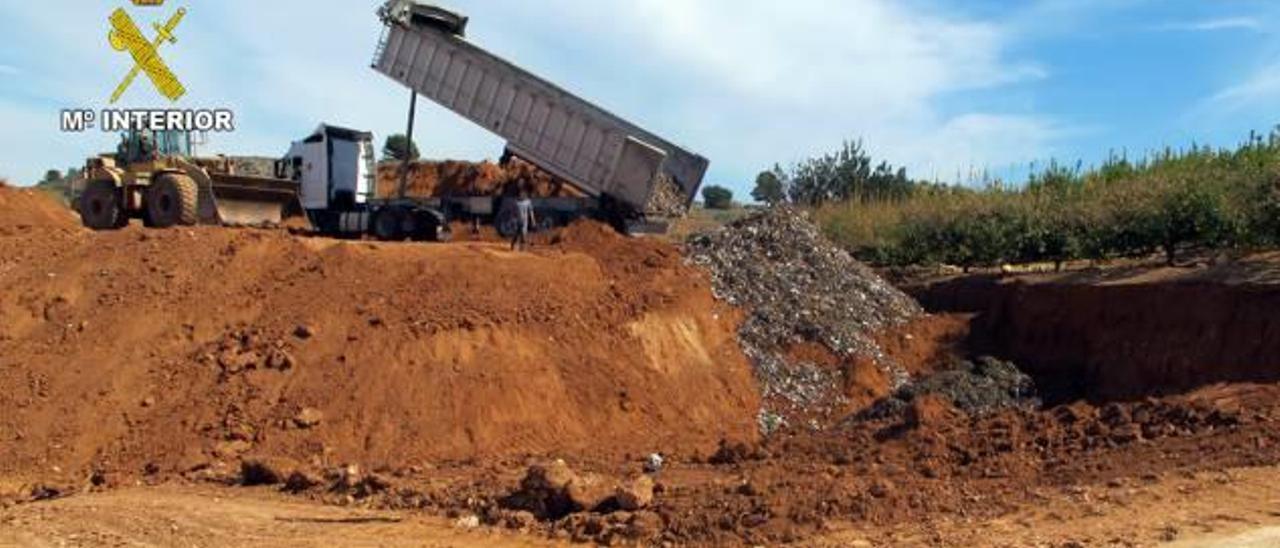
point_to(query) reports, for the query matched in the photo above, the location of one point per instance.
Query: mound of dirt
(456, 178)
(180, 351)
(26, 209)
(801, 288)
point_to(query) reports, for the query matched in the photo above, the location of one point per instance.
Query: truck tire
(507, 221)
(547, 222)
(429, 226)
(443, 235)
(388, 225)
(100, 206)
(171, 200)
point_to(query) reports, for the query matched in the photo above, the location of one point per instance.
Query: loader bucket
(238, 200)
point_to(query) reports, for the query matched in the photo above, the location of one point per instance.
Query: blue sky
(946, 88)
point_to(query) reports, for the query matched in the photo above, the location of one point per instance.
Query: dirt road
(211, 516)
(1237, 508)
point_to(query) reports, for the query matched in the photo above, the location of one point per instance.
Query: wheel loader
(154, 177)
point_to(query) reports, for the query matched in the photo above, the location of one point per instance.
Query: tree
(769, 187)
(51, 176)
(395, 146)
(717, 197)
(846, 175)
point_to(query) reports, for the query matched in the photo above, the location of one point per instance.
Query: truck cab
(334, 168)
(336, 171)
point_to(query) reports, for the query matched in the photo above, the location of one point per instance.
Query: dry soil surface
(424, 380)
(1232, 508)
(196, 516)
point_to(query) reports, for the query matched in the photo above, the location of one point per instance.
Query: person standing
(524, 222)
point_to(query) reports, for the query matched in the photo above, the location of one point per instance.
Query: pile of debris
(978, 388)
(799, 287)
(253, 166)
(432, 179)
(668, 199)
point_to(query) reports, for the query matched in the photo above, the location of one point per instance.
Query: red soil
(166, 350)
(450, 177)
(171, 354)
(28, 209)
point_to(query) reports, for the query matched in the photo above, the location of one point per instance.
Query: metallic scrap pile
(979, 388)
(799, 287)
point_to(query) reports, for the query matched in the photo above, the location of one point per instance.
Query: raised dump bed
(604, 155)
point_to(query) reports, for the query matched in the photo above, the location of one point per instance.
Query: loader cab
(141, 146)
(334, 168)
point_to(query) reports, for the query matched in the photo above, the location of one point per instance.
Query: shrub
(717, 197)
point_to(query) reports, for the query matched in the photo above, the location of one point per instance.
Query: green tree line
(1169, 202)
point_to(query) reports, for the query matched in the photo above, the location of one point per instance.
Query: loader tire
(171, 200)
(100, 207)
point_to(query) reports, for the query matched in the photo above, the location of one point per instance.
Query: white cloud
(1210, 25)
(1258, 89)
(752, 82)
(746, 83)
(970, 144)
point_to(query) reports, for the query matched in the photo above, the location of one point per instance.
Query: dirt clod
(302, 480)
(304, 331)
(636, 494)
(266, 470)
(308, 417)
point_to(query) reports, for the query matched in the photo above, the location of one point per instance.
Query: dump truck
(153, 176)
(336, 171)
(617, 166)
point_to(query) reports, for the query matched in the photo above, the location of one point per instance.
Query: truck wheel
(100, 206)
(387, 225)
(427, 226)
(508, 220)
(443, 235)
(171, 200)
(547, 222)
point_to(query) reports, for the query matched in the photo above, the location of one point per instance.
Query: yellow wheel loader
(153, 177)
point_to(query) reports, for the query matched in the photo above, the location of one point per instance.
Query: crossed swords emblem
(125, 36)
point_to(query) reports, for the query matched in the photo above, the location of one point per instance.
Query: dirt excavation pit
(1163, 332)
(595, 389)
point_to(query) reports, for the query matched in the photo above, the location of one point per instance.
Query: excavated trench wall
(1120, 342)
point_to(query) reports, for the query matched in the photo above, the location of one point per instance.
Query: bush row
(1199, 198)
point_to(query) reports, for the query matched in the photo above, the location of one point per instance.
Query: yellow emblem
(125, 36)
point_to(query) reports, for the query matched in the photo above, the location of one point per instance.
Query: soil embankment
(162, 351)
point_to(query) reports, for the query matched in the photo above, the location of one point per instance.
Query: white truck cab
(335, 168)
